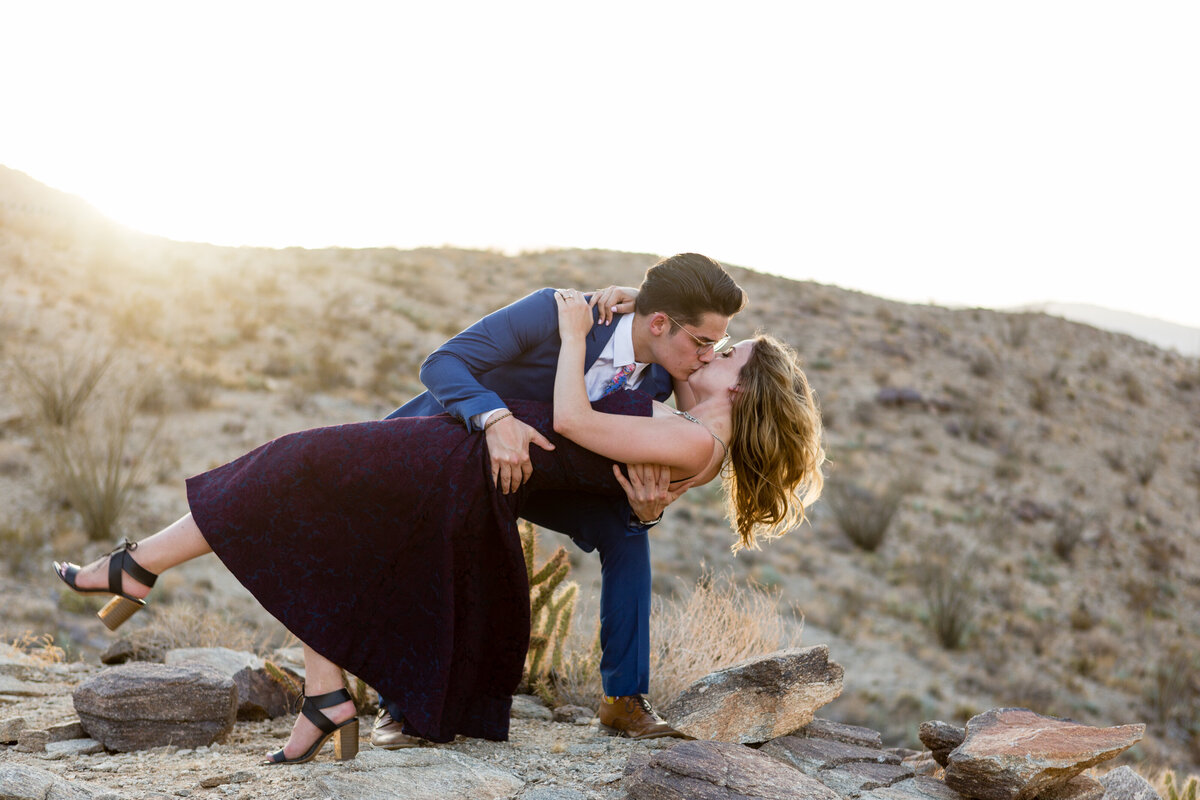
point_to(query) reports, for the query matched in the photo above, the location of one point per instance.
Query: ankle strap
(328, 699)
(312, 706)
(120, 561)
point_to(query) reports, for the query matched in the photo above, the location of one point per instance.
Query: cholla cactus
(551, 608)
(1176, 789)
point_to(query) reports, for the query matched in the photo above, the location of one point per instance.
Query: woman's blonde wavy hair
(775, 450)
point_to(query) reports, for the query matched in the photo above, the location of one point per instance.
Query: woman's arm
(686, 447)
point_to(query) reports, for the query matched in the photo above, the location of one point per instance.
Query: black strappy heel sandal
(345, 743)
(122, 606)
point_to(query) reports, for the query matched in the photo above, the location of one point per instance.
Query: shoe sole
(625, 735)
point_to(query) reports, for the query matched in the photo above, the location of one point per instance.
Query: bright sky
(957, 152)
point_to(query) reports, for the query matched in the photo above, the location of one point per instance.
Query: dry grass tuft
(175, 625)
(717, 624)
(39, 647)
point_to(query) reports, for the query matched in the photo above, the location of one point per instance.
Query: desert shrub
(1016, 329)
(1133, 388)
(60, 390)
(197, 384)
(863, 514)
(1145, 463)
(1039, 394)
(1097, 360)
(950, 595)
(137, 318)
(327, 372)
(23, 542)
(1172, 683)
(982, 364)
(1068, 531)
(96, 467)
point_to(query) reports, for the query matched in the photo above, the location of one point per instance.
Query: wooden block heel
(345, 741)
(122, 606)
(117, 610)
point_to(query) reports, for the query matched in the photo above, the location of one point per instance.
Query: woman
(305, 521)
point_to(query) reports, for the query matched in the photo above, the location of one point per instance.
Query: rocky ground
(555, 755)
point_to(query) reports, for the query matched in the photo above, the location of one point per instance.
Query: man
(679, 322)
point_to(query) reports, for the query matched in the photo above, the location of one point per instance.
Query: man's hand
(649, 489)
(508, 445)
(613, 300)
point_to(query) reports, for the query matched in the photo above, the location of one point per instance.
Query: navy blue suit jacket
(513, 353)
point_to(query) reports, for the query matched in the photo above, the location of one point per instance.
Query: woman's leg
(178, 542)
(320, 676)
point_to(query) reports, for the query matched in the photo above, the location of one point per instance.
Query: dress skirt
(385, 547)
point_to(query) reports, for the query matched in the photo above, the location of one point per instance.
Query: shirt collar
(622, 340)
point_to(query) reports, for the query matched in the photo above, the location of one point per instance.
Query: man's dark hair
(687, 286)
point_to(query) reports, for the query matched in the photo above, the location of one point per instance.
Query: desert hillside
(1013, 509)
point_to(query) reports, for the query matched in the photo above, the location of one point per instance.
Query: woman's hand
(574, 314)
(613, 300)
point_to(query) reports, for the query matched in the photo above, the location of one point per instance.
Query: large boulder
(1016, 754)
(758, 699)
(720, 771)
(259, 695)
(139, 705)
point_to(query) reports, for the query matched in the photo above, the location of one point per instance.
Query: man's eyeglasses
(719, 346)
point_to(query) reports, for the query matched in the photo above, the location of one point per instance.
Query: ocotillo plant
(551, 608)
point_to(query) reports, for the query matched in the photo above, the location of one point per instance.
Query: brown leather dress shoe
(389, 734)
(632, 716)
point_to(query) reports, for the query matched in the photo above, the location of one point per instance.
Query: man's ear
(659, 324)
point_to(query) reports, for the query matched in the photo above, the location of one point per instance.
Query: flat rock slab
(851, 780)
(17, 663)
(810, 756)
(758, 699)
(138, 706)
(1125, 784)
(1015, 754)
(918, 788)
(74, 747)
(20, 782)
(19, 688)
(417, 774)
(720, 771)
(840, 732)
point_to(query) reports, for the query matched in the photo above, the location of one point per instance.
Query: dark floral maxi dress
(385, 547)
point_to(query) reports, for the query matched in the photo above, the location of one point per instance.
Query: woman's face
(722, 372)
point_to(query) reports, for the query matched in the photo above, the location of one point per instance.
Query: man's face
(688, 348)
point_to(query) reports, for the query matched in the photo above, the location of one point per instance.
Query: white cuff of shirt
(479, 420)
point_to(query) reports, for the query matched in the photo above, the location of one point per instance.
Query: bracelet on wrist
(496, 418)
